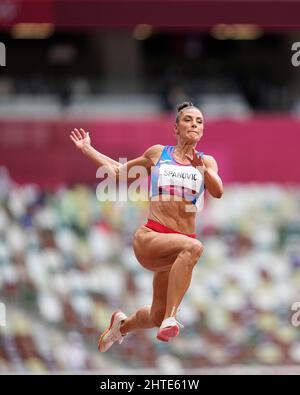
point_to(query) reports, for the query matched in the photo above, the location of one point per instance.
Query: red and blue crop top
(169, 177)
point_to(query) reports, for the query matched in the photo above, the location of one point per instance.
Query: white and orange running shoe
(169, 328)
(112, 333)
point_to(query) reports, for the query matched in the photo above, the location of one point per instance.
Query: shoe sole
(107, 330)
(167, 333)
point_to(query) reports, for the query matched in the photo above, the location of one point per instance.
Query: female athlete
(166, 244)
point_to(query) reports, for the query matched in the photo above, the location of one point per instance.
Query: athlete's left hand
(196, 160)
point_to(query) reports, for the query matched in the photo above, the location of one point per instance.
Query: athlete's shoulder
(209, 158)
(210, 161)
(154, 150)
(156, 147)
(153, 153)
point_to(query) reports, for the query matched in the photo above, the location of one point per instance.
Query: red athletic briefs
(157, 227)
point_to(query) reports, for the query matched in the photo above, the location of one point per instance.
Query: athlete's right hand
(80, 138)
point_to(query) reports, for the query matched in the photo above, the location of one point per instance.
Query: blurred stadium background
(65, 258)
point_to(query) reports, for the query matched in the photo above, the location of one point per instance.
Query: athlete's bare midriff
(176, 215)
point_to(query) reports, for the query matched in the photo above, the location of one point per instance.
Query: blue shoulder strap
(164, 154)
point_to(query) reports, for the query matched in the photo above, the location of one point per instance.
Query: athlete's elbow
(218, 193)
(121, 175)
(117, 171)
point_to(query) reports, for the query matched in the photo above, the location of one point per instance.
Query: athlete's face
(190, 125)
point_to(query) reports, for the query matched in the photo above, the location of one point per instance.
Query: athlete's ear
(176, 131)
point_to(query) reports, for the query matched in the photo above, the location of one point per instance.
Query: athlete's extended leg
(150, 316)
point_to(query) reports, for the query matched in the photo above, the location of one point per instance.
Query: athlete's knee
(195, 249)
(157, 315)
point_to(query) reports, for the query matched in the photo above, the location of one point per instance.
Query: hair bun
(184, 105)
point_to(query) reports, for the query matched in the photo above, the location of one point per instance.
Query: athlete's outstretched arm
(83, 142)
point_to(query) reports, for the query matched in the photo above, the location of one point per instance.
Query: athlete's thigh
(158, 251)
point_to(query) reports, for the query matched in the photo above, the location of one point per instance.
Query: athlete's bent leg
(173, 252)
(181, 274)
(179, 281)
(150, 317)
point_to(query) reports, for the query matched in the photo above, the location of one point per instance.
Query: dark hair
(182, 106)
